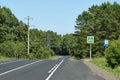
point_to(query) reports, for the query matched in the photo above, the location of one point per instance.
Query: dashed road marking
(54, 70)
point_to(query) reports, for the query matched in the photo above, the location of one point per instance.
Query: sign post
(90, 40)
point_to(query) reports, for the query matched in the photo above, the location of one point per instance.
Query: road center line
(19, 68)
(54, 70)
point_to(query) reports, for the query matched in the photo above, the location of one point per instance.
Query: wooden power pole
(28, 18)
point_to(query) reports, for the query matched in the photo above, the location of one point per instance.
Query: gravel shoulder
(99, 71)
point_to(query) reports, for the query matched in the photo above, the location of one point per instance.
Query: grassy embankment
(2, 58)
(100, 62)
(53, 57)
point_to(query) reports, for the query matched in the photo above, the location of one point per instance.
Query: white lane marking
(19, 68)
(54, 70)
(10, 62)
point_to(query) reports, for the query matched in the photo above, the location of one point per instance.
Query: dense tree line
(13, 34)
(102, 22)
(13, 38)
(44, 44)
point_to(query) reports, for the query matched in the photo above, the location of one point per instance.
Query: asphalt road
(60, 69)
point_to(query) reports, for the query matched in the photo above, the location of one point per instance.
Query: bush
(112, 54)
(20, 50)
(12, 49)
(7, 49)
(43, 52)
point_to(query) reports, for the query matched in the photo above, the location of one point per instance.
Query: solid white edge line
(19, 68)
(10, 62)
(54, 70)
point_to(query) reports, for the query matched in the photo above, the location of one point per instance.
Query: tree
(44, 44)
(68, 44)
(53, 41)
(12, 33)
(106, 25)
(7, 18)
(13, 38)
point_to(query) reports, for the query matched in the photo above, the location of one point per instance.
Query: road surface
(59, 69)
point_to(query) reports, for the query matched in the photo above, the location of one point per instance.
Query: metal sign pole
(90, 51)
(90, 40)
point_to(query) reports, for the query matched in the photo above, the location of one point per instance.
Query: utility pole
(28, 19)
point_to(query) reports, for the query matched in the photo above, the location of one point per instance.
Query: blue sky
(56, 15)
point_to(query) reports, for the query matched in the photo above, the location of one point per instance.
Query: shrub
(20, 50)
(112, 54)
(7, 49)
(43, 52)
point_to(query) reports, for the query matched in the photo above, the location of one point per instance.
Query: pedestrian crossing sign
(90, 39)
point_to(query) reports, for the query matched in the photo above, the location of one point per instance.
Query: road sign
(106, 42)
(90, 39)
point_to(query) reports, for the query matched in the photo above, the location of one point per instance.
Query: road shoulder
(99, 71)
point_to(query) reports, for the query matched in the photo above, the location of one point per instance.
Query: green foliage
(14, 36)
(11, 49)
(101, 62)
(44, 44)
(7, 18)
(43, 52)
(112, 54)
(68, 44)
(102, 23)
(53, 41)
(7, 48)
(20, 50)
(3, 58)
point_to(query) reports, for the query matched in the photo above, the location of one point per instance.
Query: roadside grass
(100, 62)
(3, 58)
(74, 58)
(53, 57)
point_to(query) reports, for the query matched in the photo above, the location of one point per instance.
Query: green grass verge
(3, 58)
(101, 63)
(53, 57)
(74, 58)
